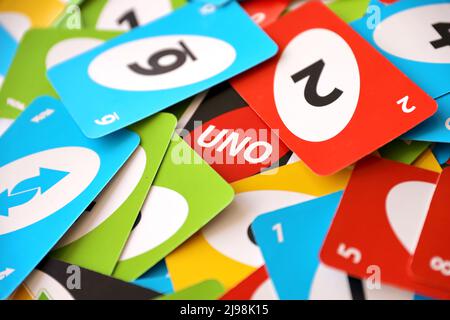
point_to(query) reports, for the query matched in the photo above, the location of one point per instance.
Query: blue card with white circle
(415, 36)
(49, 174)
(159, 64)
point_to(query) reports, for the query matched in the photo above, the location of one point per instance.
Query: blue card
(442, 152)
(414, 35)
(49, 174)
(290, 240)
(157, 65)
(157, 279)
(8, 47)
(436, 128)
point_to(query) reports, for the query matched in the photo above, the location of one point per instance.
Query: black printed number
(313, 73)
(444, 31)
(130, 18)
(156, 68)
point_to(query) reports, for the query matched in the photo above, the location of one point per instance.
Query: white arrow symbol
(6, 273)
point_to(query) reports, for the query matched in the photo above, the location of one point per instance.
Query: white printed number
(349, 253)
(279, 230)
(108, 119)
(440, 265)
(404, 103)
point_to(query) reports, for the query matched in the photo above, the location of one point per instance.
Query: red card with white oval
(331, 95)
(378, 223)
(431, 261)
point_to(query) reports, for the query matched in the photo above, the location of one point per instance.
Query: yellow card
(225, 249)
(17, 16)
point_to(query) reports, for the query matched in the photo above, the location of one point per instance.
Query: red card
(264, 12)
(431, 261)
(332, 96)
(231, 137)
(378, 222)
(257, 286)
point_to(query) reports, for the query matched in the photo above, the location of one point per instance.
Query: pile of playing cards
(217, 149)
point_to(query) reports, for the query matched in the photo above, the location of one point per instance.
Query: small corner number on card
(278, 228)
(440, 265)
(107, 119)
(405, 105)
(349, 253)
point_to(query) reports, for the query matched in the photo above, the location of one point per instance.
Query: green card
(39, 49)
(125, 14)
(96, 240)
(349, 10)
(206, 290)
(403, 151)
(186, 194)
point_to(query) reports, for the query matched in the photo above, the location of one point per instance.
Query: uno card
(39, 50)
(157, 65)
(157, 278)
(265, 12)
(16, 17)
(346, 10)
(431, 261)
(96, 240)
(424, 57)
(205, 290)
(225, 249)
(326, 91)
(186, 195)
(50, 172)
(258, 286)
(230, 136)
(57, 280)
(436, 128)
(379, 222)
(124, 15)
(290, 240)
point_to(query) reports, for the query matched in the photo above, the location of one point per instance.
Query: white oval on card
(163, 62)
(127, 14)
(317, 85)
(410, 34)
(110, 199)
(15, 23)
(228, 232)
(407, 205)
(38, 185)
(164, 213)
(68, 49)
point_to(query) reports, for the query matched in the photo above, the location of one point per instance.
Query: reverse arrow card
(321, 90)
(258, 286)
(225, 249)
(229, 135)
(57, 280)
(96, 240)
(290, 240)
(424, 57)
(436, 128)
(47, 179)
(157, 65)
(431, 262)
(16, 17)
(379, 221)
(186, 195)
(125, 15)
(39, 50)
